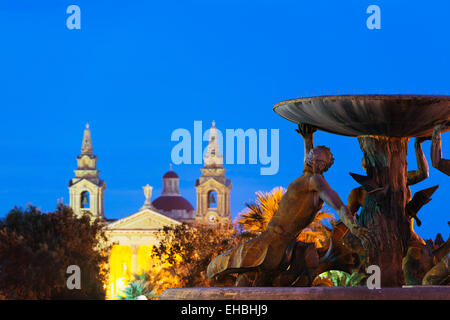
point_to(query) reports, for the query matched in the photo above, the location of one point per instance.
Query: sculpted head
(320, 159)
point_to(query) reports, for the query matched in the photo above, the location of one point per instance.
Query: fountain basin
(380, 115)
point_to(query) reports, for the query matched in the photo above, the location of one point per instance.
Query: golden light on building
(124, 263)
(120, 262)
(144, 261)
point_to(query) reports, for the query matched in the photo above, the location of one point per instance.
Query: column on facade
(134, 258)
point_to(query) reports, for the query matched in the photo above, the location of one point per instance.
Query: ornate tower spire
(86, 147)
(86, 188)
(213, 158)
(213, 188)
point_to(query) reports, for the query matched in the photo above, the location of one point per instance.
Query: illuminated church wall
(133, 238)
(124, 262)
(120, 261)
(144, 262)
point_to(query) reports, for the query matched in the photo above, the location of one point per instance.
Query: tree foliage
(343, 279)
(37, 248)
(257, 214)
(142, 285)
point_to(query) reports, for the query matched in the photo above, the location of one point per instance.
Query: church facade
(134, 235)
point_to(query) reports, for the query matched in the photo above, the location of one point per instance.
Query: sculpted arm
(356, 199)
(442, 165)
(307, 132)
(330, 197)
(421, 173)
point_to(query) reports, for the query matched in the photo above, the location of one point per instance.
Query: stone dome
(170, 203)
(170, 175)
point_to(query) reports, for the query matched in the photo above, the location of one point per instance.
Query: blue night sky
(138, 70)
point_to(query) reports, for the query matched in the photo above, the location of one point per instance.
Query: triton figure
(304, 197)
(440, 273)
(442, 165)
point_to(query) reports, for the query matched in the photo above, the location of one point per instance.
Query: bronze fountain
(383, 232)
(383, 125)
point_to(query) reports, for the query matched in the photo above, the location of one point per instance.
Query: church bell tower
(213, 188)
(86, 189)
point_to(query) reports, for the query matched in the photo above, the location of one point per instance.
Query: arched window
(212, 199)
(85, 201)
